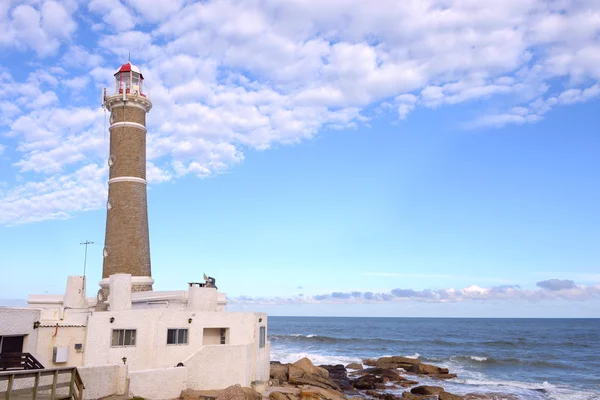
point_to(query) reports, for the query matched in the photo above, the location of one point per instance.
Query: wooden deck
(42, 384)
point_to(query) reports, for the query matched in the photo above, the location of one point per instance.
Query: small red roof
(129, 67)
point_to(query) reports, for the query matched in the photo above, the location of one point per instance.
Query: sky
(422, 158)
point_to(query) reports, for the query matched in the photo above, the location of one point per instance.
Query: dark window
(123, 337)
(223, 335)
(263, 336)
(177, 336)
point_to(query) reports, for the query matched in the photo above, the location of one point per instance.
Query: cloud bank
(226, 76)
(549, 290)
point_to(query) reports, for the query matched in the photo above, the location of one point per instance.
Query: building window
(223, 335)
(263, 337)
(123, 337)
(177, 336)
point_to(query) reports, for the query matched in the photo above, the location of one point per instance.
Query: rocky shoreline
(302, 380)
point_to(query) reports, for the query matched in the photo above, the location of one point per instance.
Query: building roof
(128, 66)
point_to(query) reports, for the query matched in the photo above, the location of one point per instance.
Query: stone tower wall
(127, 243)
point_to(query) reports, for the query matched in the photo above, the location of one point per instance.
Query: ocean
(533, 359)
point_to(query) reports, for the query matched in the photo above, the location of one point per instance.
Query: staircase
(18, 361)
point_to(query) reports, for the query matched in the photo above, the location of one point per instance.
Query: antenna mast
(85, 257)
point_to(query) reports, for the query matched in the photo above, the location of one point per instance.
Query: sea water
(556, 359)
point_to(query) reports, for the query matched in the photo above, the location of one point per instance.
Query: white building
(149, 344)
(131, 339)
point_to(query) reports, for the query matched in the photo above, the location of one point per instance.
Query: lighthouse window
(105, 252)
(111, 161)
(108, 204)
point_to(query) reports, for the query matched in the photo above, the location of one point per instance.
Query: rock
(233, 392)
(410, 396)
(490, 396)
(307, 366)
(317, 381)
(368, 381)
(354, 366)
(449, 396)
(283, 396)
(279, 372)
(338, 374)
(427, 390)
(370, 362)
(251, 394)
(387, 374)
(295, 372)
(200, 394)
(322, 372)
(405, 360)
(408, 383)
(428, 369)
(443, 376)
(316, 393)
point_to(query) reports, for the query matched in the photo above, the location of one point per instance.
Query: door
(11, 344)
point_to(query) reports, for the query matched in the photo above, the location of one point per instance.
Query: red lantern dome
(129, 78)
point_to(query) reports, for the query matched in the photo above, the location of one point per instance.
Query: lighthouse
(127, 244)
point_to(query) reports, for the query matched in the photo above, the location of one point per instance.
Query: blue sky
(422, 158)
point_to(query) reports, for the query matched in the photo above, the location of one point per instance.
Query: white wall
(19, 321)
(65, 336)
(158, 384)
(102, 381)
(151, 350)
(218, 367)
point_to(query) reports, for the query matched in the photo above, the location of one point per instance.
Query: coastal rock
(382, 396)
(234, 392)
(411, 396)
(443, 376)
(370, 362)
(449, 396)
(339, 375)
(283, 396)
(354, 366)
(427, 390)
(407, 383)
(428, 369)
(367, 382)
(315, 380)
(387, 374)
(316, 393)
(309, 368)
(279, 371)
(490, 396)
(396, 362)
(200, 394)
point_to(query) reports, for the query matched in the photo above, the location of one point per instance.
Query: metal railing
(16, 361)
(34, 385)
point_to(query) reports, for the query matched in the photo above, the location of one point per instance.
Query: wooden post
(72, 384)
(9, 386)
(35, 385)
(54, 379)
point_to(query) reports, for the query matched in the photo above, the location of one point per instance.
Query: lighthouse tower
(127, 245)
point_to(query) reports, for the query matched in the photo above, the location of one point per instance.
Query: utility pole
(85, 258)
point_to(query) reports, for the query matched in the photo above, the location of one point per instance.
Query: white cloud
(42, 29)
(549, 290)
(114, 13)
(229, 75)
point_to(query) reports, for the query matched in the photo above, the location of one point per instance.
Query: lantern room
(128, 79)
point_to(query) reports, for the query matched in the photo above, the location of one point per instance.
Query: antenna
(85, 258)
